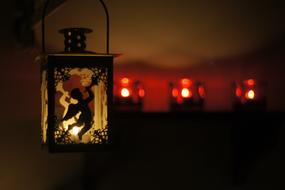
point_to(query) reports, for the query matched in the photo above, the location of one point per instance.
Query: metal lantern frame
(57, 67)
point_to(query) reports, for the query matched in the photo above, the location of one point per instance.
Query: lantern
(128, 95)
(76, 88)
(249, 95)
(186, 95)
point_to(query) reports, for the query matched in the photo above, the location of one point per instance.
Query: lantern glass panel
(80, 105)
(76, 100)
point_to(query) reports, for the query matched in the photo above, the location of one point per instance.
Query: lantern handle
(107, 25)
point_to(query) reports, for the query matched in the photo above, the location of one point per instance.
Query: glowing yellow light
(186, 93)
(75, 130)
(125, 92)
(250, 94)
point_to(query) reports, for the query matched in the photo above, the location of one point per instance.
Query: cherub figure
(81, 107)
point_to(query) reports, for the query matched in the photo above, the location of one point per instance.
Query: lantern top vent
(75, 39)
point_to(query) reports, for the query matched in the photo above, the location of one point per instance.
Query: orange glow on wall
(186, 93)
(250, 82)
(186, 82)
(125, 92)
(250, 95)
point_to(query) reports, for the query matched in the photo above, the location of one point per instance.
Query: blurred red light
(238, 92)
(250, 82)
(141, 93)
(201, 91)
(174, 92)
(125, 92)
(186, 93)
(125, 81)
(186, 82)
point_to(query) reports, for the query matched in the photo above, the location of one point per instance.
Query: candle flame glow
(250, 94)
(186, 93)
(75, 130)
(125, 92)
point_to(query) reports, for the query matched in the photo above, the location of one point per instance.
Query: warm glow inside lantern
(249, 94)
(186, 95)
(128, 94)
(76, 97)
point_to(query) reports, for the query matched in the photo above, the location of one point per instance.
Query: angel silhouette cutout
(85, 117)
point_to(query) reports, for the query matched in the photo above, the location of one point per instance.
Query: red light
(174, 92)
(186, 93)
(125, 81)
(201, 91)
(238, 92)
(125, 92)
(250, 95)
(250, 82)
(141, 93)
(186, 82)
